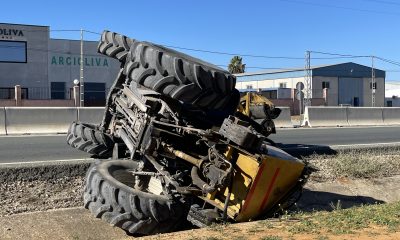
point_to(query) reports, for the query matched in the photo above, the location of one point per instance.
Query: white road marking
(367, 144)
(33, 135)
(49, 161)
(344, 127)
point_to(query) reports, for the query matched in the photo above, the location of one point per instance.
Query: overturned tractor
(176, 144)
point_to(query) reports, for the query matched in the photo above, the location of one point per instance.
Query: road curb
(43, 170)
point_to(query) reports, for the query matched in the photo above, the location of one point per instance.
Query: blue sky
(274, 28)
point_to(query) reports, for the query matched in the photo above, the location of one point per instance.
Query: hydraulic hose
(199, 182)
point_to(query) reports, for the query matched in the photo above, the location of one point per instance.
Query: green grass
(344, 221)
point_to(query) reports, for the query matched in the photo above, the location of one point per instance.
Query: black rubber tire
(178, 75)
(114, 45)
(86, 137)
(137, 212)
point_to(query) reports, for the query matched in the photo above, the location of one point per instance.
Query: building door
(351, 91)
(95, 94)
(57, 90)
(356, 102)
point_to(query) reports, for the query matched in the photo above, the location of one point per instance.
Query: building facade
(46, 68)
(392, 94)
(347, 84)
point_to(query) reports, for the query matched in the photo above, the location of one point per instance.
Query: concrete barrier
(92, 115)
(391, 115)
(325, 117)
(284, 120)
(364, 116)
(3, 121)
(27, 120)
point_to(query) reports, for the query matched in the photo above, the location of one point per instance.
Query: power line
(302, 69)
(234, 54)
(342, 55)
(360, 56)
(92, 32)
(231, 54)
(389, 61)
(252, 55)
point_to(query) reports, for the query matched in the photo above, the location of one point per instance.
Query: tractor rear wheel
(110, 195)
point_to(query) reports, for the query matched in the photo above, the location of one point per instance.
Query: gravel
(38, 188)
(39, 195)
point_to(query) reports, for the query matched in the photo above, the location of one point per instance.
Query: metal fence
(43, 93)
(38, 93)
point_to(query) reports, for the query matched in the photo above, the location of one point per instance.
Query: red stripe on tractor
(264, 201)
(253, 187)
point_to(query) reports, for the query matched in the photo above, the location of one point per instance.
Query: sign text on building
(76, 61)
(9, 33)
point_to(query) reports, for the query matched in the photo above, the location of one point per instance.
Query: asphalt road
(337, 136)
(54, 147)
(37, 148)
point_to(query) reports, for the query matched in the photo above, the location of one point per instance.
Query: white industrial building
(45, 68)
(392, 94)
(347, 84)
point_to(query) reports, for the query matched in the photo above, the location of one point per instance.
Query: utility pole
(307, 93)
(82, 89)
(373, 82)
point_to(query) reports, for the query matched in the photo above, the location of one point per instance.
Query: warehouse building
(392, 94)
(46, 68)
(347, 84)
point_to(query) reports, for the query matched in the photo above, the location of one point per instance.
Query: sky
(267, 34)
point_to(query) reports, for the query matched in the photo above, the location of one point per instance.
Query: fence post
(325, 96)
(76, 96)
(17, 93)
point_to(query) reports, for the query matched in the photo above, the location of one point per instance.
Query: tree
(236, 65)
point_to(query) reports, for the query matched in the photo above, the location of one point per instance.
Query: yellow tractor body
(260, 182)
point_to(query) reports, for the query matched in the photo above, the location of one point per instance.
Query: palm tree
(236, 65)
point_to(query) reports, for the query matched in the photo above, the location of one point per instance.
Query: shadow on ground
(304, 150)
(327, 201)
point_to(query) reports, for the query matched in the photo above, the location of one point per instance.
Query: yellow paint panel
(275, 178)
(256, 185)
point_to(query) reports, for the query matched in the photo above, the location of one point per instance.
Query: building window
(13, 51)
(58, 90)
(282, 85)
(372, 87)
(249, 86)
(325, 85)
(270, 94)
(389, 103)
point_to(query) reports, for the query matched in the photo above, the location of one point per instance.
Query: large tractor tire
(86, 137)
(179, 76)
(114, 45)
(169, 72)
(109, 195)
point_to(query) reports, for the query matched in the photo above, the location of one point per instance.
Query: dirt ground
(77, 223)
(275, 231)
